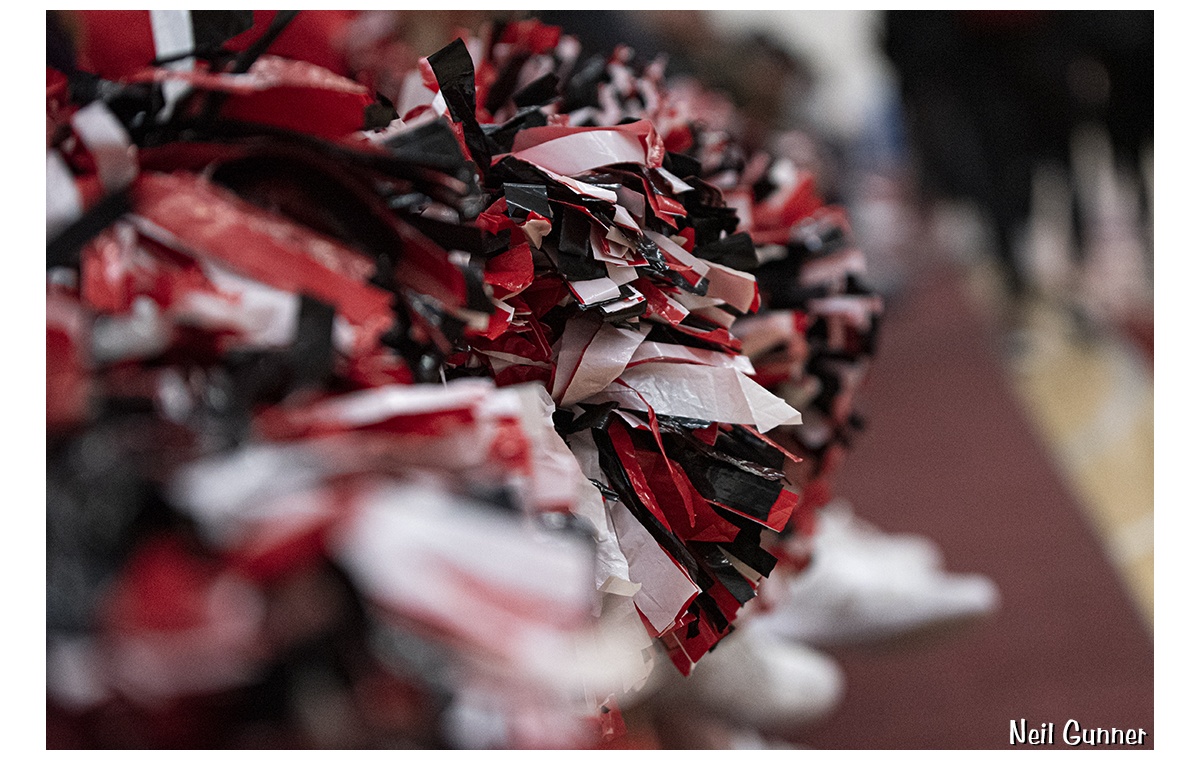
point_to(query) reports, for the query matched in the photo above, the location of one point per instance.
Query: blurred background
(997, 167)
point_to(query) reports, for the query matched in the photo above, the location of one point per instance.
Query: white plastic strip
(708, 393)
(172, 30)
(107, 141)
(63, 202)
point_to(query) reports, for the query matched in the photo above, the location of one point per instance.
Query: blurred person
(991, 96)
(972, 86)
(1110, 170)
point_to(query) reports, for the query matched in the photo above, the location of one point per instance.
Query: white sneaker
(865, 586)
(839, 530)
(760, 683)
